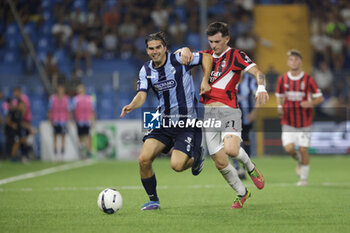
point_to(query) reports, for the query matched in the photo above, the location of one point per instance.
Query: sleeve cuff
(250, 66)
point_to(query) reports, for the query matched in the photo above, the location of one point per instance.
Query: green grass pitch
(65, 201)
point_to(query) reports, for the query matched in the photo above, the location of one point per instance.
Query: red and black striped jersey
(296, 89)
(225, 76)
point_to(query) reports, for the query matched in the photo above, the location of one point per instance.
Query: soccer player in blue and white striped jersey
(173, 84)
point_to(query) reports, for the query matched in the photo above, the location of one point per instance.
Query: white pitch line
(46, 171)
(139, 187)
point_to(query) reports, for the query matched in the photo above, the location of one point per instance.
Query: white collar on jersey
(216, 56)
(295, 77)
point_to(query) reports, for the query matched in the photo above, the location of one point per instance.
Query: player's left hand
(262, 97)
(306, 104)
(126, 109)
(205, 87)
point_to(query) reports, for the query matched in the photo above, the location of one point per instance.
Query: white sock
(244, 158)
(231, 177)
(304, 172)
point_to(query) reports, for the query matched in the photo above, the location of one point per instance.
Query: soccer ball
(110, 201)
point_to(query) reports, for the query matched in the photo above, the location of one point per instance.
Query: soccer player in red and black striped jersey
(219, 94)
(297, 94)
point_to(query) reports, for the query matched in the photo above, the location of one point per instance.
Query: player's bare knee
(144, 162)
(231, 150)
(220, 164)
(178, 167)
(303, 150)
(289, 149)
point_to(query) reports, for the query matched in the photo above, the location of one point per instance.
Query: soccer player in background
(219, 95)
(246, 100)
(26, 123)
(297, 94)
(174, 87)
(16, 127)
(59, 114)
(83, 107)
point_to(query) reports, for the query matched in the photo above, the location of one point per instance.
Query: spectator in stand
(337, 45)
(80, 50)
(111, 18)
(177, 31)
(245, 24)
(58, 115)
(324, 78)
(139, 45)
(61, 30)
(51, 69)
(246, 42)
(160, 16)
(345, 13)
(110, 43)
(320, 43)
(83, 107)
(78, 20)
(128, 29)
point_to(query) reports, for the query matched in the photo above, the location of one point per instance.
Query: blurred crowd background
(100, 43)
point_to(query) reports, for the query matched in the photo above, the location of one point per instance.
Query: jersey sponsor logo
(222, 83)
(165, 85)
(295, 95)
(214, 75)
(247, 59)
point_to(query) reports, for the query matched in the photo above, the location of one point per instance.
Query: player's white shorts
(231, 123)
(298, 136)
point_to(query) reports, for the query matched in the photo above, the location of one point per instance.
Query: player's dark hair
(217, 27)
(294, 52)
(156, 36)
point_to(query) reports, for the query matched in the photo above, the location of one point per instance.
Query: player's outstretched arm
(207, 64)
(137, 102)
(261, 95)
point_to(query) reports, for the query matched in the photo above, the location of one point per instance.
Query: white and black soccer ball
(110, 201)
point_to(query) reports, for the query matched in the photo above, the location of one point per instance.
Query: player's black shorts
(59, 128)
(24, 132)
(187, 140)
(83, 130)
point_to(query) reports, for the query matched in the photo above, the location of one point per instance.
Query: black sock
(150, 185)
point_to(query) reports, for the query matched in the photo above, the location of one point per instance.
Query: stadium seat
(80, 4)
(90, 90)
(11, 57)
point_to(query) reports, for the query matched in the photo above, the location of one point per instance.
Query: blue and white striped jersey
(246, 95)
(173, 85)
